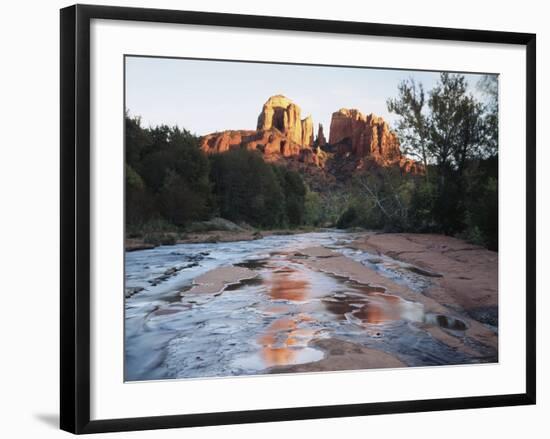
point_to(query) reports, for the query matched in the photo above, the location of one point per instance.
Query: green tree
(488, 86)
(313, 209)
(166, 176)
(139, 205)
(456, 136)
(178, 202)
(412, 125)
(137, 140)
(247, 189)
(294, 191)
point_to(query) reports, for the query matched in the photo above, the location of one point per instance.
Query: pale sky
(204, 96)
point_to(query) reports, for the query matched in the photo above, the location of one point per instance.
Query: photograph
(272, 220)
(286, 218)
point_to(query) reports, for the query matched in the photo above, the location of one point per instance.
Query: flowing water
(271, 319)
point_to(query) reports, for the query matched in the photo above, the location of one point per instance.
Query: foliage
(488, 86)
(171, 185)
(381, 200)
(247, 189)
(159, 238)
(456, 136)
(179, 202)
(412, 125)
(166, 176)
(294, 191)
(169, 180)
(313, 209)
(481, 203)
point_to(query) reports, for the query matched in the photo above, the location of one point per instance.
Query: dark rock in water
(451, 323)
(446, 322)
(253, 264)
(130, 291)
(485, 314)
(423, 272)
(197, 257)
(257, 235)
(171, 271)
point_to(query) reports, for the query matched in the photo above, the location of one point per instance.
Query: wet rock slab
(216, 280)
(343, 355)
(305, 303)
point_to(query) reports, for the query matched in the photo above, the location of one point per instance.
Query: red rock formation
(224, 141)
(307, 132)
(280, 133)
(281, 113)
(410, 166)
(272, 143)
(309, 156)
(352, 131)
(368, 137)
(321, 139)
(360, 141)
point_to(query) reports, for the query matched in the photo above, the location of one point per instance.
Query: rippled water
(271, 319)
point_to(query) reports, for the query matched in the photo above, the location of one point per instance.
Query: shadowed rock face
(368, 137)
(364, 135)
(321, 139)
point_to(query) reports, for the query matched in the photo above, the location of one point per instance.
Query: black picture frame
(75, 217)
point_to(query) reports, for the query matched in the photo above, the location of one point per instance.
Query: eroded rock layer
(321, 139)
(357, 141)
(368, 138)
(364, 135)
(280, 133)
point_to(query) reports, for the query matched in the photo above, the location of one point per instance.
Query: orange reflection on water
(275, 351)
(380, 308)
(288, 284)
(283, 337)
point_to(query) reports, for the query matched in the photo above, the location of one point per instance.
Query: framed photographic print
(273, 218)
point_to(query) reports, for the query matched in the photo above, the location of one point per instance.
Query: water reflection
(288, 283)
(367, 305)
(285, 340)
(382, 308)
(269, 320)
(303, 297)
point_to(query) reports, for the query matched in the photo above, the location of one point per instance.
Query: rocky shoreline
(214, 236)
(450, 301)
(468, 273)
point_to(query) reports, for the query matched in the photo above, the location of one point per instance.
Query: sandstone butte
(368, 137)
(281, 132)
(321, 139)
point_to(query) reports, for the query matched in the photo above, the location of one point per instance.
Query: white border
(112, 398)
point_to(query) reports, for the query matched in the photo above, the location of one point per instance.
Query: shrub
(159, 238)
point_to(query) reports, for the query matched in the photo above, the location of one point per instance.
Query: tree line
(455, 136)
(171, 183)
